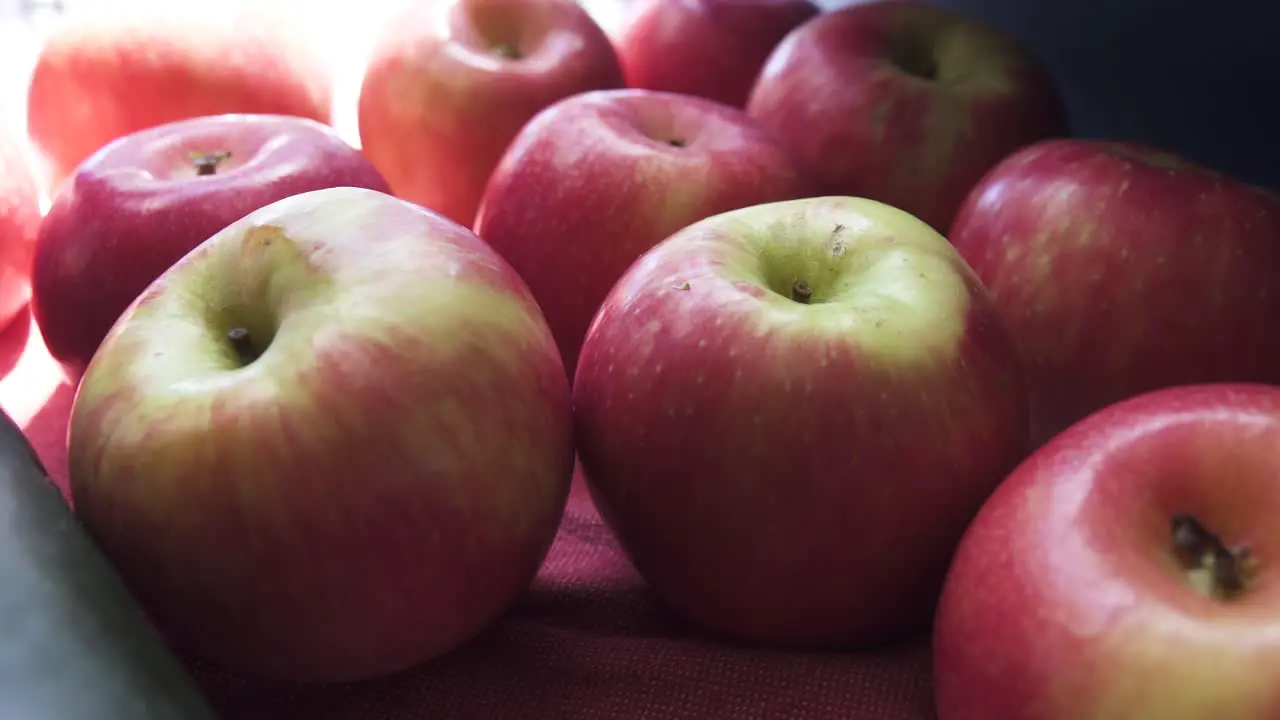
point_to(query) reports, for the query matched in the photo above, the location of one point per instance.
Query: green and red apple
(788, 414)
(332, 442)
(595, 180)
(451, 82)
(1126, 570)
(903, 102)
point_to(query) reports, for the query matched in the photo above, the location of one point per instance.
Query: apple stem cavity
(243, 345)
(207, 163)
(1213, 568)
(507, 51)
(801, 292)
(677, 142)
(916, 60)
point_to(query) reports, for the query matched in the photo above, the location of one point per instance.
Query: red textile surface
(587, 641)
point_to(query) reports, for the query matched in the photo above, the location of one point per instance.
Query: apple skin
(440, 103)
(1120, 268)
(111, 71)
(709, 48)
(1065, 599)
(138, 205)
(19, 220)
(798, 475)
(842, 91)
(369, 493)
(572, 234)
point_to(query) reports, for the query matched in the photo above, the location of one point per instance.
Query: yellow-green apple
(142, 202)
(332, 442)
(595, 180)
(789, 413)
(19, 219)
(110, 71)
(709, 48)
(451, 82)
(1125, 570)
(905, 103)
(1120, 268)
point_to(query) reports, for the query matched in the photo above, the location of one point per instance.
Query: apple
(113, 70)
(1122, 570)
(332, 442)
(142, 202)
(451, 82)
(1121, 268)
(904, 103)
(19, 219)
(789, 413)
(709, 48)
(597, 179)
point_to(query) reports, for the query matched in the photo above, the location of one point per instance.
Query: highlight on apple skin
(1125, 570)
(788, 413)
(332, 442)
(111, 69)
(19, 223)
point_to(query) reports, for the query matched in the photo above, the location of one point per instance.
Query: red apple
(142, 202)
(111, 71)
(597, 179)
(19, 219)
(904, 103)
(1124, 570)
(710, 48)
(1120, 269)
(451, 82)
(332, 442)
(789, 413)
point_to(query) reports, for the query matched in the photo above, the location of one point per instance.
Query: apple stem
(207, 163)
(676, 142)
(801, 292)
(242, 343)
(1214, 568)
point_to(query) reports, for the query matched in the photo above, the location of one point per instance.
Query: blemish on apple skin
(682, 286)
(837, 246)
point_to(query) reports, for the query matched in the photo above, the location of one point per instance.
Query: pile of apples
(845, 332)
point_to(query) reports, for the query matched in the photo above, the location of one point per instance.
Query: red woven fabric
(587, 641)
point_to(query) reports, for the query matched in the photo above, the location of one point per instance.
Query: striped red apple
(331, 443)
(1121, 268)
(451, 82)
(789, 413)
